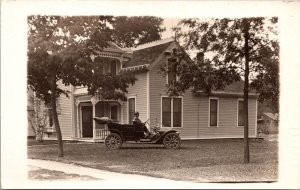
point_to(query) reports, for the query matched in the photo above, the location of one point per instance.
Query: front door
(87, 121)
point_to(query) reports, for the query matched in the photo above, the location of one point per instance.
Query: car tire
(113, 141)
(172, 141)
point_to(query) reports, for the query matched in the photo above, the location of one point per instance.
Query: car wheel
(172, 141)
(113, 141)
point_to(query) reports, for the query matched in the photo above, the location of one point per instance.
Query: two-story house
(194, 115)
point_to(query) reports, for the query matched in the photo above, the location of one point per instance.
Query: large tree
(136, 30)
(60, 49)
(228, 50)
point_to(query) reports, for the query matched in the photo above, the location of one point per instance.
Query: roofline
(153, 43)
(226, 94)
(115, 45)
(144, 67)
(156, 61)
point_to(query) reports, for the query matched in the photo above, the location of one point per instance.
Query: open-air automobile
(120, 133)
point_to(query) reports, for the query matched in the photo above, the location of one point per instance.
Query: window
(106, 68)
(50, 117)
(166, 112)
(106, 65)
(114, 112)
(101, 70)
(213, 112)
(241, 112)
(113, 67)
(131, 109)
(177, 112)
(171, 112)
(171, 76)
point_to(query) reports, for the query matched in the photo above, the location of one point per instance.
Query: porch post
(77, 102)
(94, 102)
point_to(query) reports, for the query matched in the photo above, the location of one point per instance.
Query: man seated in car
(137, 121)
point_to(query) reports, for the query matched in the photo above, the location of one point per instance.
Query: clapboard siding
(124, 109)
(156, 89)
(139, 91)
(227, 119)
(196, 112)
(193, 115)
(65, 116)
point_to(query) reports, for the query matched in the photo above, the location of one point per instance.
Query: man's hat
(136, 113)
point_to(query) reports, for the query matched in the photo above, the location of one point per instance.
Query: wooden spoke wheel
(172, 141)
(113, 141)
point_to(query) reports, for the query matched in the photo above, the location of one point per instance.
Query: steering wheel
(146, 121)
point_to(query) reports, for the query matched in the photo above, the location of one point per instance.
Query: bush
(266, 129)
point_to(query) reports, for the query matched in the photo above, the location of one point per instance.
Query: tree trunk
(246, 86)
(56, 123)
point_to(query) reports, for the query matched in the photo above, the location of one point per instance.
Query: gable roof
(146, 54)
(271, 116)
(112, 45)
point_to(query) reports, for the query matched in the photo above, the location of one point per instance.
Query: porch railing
(101, 134)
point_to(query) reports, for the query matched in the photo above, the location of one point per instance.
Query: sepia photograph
(131, 100)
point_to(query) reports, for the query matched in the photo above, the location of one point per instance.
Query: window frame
(167, 75)
(218, 111)
(50, 119)
(130, 97)
(115, 62)
(237, 114)
(112, 105)
(172, 111)
(176, 78)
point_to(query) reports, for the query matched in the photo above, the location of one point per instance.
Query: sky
(169, 23)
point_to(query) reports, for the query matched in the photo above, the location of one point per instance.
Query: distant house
(270, 119)
(194, 115)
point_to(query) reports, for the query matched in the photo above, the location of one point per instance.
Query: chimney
(200, 57)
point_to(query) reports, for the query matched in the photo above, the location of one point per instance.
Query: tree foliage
(63, 48)
(59, 48)
(219, 44)
(136, 30)
(228, 50)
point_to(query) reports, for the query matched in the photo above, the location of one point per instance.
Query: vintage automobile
(120, 133)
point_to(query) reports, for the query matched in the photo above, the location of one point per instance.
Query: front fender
(160, 139)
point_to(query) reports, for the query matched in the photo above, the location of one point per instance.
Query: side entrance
(87, 121)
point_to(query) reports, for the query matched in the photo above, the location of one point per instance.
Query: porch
(87, 107)
(100, 135)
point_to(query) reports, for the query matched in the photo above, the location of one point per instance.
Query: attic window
(171, 76)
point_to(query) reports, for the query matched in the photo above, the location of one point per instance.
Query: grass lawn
(32, 142)
(196, 160)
